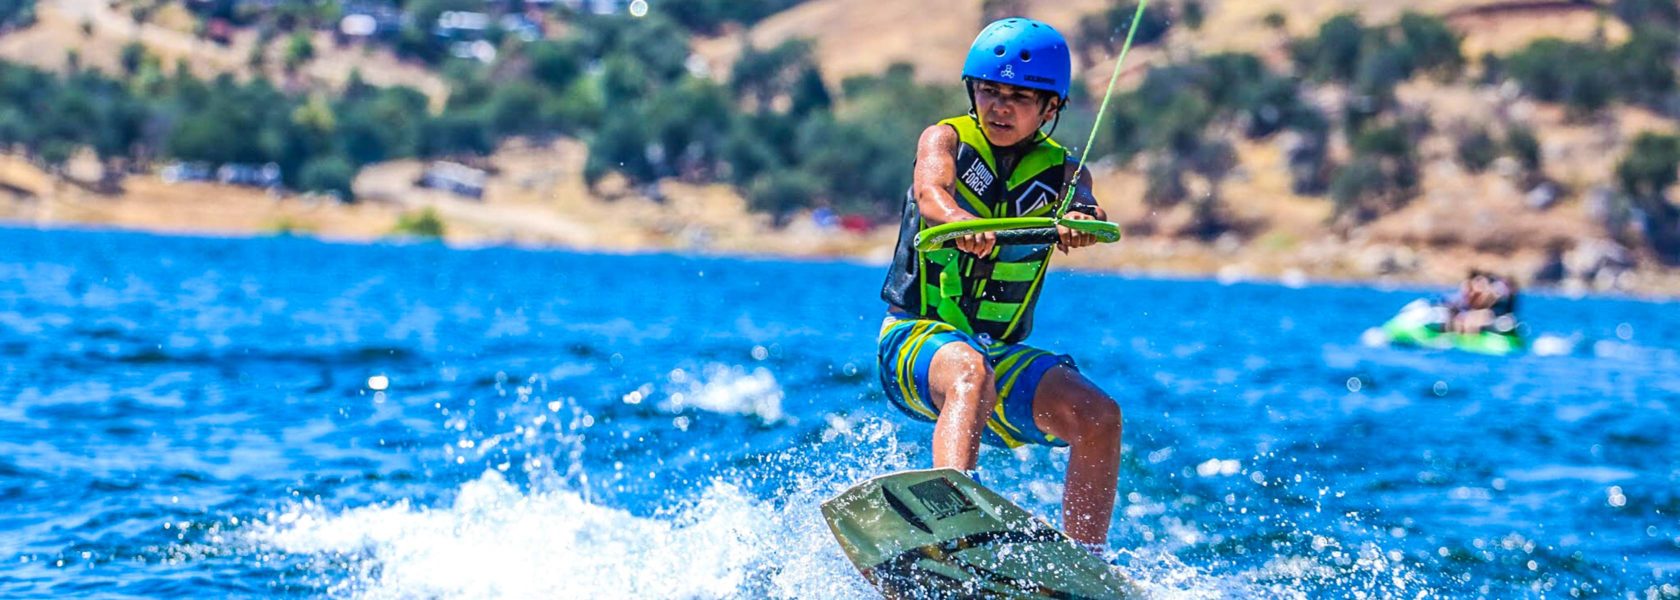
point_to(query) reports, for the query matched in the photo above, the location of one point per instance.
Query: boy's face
(1010, 114)
(1481, 293)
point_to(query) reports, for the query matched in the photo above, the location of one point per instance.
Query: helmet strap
(1053, 124)
(973, 108)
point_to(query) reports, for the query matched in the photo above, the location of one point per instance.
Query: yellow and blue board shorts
(907, 346)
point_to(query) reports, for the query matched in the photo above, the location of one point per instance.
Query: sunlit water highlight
(281, 417)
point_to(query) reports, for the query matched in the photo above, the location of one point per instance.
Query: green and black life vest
(993, 295)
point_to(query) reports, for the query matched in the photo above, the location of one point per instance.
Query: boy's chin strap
(1053, 124)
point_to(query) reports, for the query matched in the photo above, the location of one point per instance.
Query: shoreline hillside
(1249, 140)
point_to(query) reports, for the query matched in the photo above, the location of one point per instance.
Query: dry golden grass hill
(97, 30)
(536, 194)
(1461, 219)
(864, 36)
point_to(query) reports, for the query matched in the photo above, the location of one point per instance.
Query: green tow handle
(1010, 231)
(1015, 231)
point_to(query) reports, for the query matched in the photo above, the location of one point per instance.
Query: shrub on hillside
(1477, 150)
(330, 174)
(1375, 58)
(780, 193)
(1650, 168)
(1106, 30)
(424, 223)
(16, 13)
(710, 16)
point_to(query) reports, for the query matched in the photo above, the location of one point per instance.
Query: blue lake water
(284, 417)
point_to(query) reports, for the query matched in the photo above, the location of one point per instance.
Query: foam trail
(495, 541)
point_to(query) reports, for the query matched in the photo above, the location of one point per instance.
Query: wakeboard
(937, 533)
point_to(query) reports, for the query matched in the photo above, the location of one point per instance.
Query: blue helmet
(1023, 52)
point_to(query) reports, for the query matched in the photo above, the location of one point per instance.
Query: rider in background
(1485, 302)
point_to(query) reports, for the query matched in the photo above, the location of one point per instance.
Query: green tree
(424, 223)
(555, 64)
(1335, 54)
(132, 56)
(1580, 76)
(513, 109)
(689, 123)
(1645, 64)
(1649, 169)
(16, 13)
(578, 109)
(1357, 188)
(1165, 183)
(1106, 30)
(623, 145)
(456, 132)
(330, 174)
(749, 151)
(1433, 45)
(1194, 14)
(299, 50)
(767, 75)
(1521, 144)
(782, 192)
(203, 136)
(709, 16)
(1650, 165)
(1643, 13)
(381, 123)
(810, 93)
(1477, 150)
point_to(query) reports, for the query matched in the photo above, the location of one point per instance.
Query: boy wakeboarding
(950, 350)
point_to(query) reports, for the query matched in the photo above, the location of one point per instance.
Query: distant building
(179, 172)
(363, 20)
(454, 178)
(461, 25)
(252, 175)
(599, 7)
(523, 27)
(465, 32)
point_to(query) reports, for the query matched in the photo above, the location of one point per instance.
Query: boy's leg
(1070, 407)
(960, 380)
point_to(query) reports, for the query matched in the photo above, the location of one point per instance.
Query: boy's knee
(1100, 420)
(1105, 414)
(965, 364)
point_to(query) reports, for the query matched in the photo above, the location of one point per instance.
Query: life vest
(991, 296)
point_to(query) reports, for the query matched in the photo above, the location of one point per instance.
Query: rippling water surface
(283, 417)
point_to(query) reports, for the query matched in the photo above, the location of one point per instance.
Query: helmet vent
(999, 50)
(1026, 56)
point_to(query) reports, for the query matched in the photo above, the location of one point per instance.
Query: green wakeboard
(937, 534)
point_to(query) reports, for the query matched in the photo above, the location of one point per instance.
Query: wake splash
(749, 531)
(496, 541)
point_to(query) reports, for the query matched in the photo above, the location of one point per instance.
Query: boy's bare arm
(935, 186)
(935, 180)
